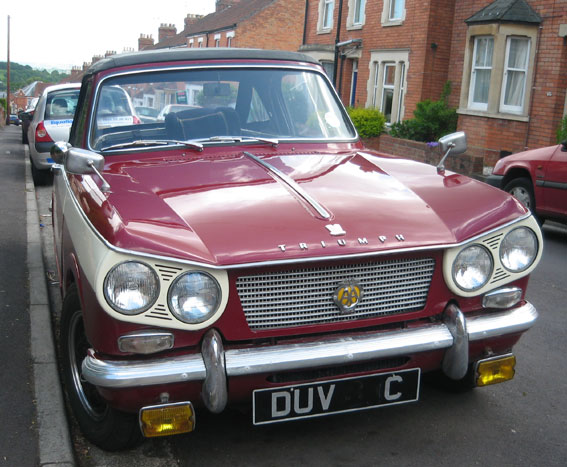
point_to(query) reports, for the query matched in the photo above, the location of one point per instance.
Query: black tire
(40, 177)
(104, 426)
(522, 189)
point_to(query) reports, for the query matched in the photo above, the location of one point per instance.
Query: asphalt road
(521, 422)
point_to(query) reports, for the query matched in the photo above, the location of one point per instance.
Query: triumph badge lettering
(347, 296)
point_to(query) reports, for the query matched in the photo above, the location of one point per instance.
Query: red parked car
(249, 249)
(537, 178)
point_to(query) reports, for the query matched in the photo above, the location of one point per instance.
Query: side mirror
(564, 146)
(59, 151)
(79, 161)
(455, 143)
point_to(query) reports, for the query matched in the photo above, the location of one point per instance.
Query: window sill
(500, 116)
(354, 27)
(388, 24)
(324, 31)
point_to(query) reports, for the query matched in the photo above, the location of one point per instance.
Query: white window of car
(515, 73)
(481, 72)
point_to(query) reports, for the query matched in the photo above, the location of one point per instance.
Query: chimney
(166, 31)
(145, 41)
(109, 53)
(191, 19)
(75, 73)
(96, 58)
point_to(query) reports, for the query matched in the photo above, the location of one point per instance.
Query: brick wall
(427, 22)
(466, 164)
(278, 26)
(493, 135)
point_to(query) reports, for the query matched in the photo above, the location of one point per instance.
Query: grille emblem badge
(347, 296)
(335, 229)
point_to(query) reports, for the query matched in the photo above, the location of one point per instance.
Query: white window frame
(519, 109)
(387, 18)
(379, 61)
(356, 8)
(229, 37)
(326, 12)
(472, 104)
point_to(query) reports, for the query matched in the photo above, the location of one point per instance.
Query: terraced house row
(505, 59)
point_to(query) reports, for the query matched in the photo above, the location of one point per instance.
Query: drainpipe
(305, 22)
(533, 88)
(337, 40)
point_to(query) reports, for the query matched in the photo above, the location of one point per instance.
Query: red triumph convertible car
(249, 249)
(537, 178)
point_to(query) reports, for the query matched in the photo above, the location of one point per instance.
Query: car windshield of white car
(218, 105)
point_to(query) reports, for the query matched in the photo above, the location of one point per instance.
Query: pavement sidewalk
(55, 446)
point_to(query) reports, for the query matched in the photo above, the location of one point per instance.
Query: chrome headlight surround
(194, 297)
(472, 268)
(131, 287)
(157, 314)
(518, 249)
(492, 242)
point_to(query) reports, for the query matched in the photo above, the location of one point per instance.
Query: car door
(555, 183)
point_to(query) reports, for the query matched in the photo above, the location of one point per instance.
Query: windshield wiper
(154, 142)
(240, 139)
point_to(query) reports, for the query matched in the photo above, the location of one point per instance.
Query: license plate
(336, 396)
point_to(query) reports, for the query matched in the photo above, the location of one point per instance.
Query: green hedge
(562, 130)
(432, 119)
(368, 122)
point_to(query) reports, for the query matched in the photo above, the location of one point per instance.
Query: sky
(65, 33)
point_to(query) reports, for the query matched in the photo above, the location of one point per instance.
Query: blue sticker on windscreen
(50, 160)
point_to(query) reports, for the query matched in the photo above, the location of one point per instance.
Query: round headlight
(194, 297)
(518, 250)
(131, 287)
(472, 268)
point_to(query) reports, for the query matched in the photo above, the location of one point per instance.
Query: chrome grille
(305, 296)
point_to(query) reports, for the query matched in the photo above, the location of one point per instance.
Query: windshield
(204, 105)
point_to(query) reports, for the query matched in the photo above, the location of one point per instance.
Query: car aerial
(51, 122)
(13, 120)
(249, 249)
(537, 178)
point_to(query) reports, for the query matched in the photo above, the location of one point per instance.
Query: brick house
(265, 24)
(504, 59)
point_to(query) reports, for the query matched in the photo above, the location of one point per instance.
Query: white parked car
(51, 122)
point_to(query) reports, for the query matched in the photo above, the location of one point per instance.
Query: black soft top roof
(184, 54)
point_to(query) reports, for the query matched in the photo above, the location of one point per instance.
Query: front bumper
(214, 365)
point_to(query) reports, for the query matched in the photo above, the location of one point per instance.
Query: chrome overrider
(214, 364)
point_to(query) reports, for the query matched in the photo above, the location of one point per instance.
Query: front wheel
(522, 190)
(104, 426)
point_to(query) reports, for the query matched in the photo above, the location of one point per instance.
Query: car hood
(231, 209)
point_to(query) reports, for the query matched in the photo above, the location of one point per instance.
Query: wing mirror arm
(79, 161)
(455, 143)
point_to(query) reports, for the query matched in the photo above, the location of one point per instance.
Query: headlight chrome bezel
(492, 241)
(167, 271)
(504, 258)
(173, 308)
(113, 302)
(482, 250)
